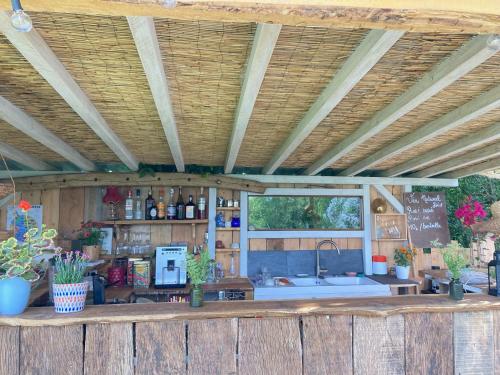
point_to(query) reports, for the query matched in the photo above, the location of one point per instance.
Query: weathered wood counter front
(412, 335)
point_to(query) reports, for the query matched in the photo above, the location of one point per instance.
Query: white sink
(306, 281)
(344, 280)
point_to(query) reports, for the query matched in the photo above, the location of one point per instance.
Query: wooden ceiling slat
(23, 158)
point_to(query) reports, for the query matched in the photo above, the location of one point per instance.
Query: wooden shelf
(228, 229)
(114, 256)
(153, 222)
(228, 250)
(227, 209)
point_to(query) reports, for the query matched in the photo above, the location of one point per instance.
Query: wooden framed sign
(427, 218)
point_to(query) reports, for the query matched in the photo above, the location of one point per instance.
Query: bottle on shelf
(201, 213)
(171, 209)
(129, 206)
(161, 207)
(150, 202)
(153, 212)
(190, 208)
(181, 207)
(138, 205)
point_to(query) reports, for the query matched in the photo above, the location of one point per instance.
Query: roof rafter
(23, 158)
(470, 55)
(264, 41)
(28, 125)
(375, 44)
(146, 41)
(463, 144)
(485, 166)
(469, 111)
(34, 49)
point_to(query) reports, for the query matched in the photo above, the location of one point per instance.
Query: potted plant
(456, 260)
(403, 257)
(17, 265)
(198, 267)
(90, 236)
(69, 289)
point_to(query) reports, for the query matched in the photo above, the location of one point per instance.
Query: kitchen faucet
(319, 271)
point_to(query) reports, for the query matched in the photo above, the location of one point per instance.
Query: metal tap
(319, 271)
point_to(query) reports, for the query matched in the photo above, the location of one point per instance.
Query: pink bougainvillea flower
(470, 212)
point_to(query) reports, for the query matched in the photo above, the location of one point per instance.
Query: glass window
(304, 212)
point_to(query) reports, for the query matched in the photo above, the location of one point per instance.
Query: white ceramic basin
(306, 281)
(344, 280)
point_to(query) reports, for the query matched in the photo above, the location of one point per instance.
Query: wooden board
(63, 355)
(334, 357)
(215, 345)
(269, 347)
(378, 345)
(429, 343)
(160, 348)
(9, 350)
(72, 202)
(109, 349)
(496, 325)
(473, 343)
(50, 201)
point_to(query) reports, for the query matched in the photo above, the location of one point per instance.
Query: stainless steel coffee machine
(171, 266)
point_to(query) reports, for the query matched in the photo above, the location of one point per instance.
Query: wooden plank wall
(415, 343)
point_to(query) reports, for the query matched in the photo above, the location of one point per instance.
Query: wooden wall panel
(9, 350)
(109, 349)
(161, 348)
(71, 207)
(269, 346)
(327, 344)
(50, 201)
(63, 356)
(32, 196)
(215, 345)
(378, 345)
(473, 343)
(429, 343)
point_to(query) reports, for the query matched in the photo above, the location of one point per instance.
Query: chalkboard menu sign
(427, 218)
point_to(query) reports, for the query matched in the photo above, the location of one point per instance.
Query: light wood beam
(23, 158)
(458, 16)
(264, 41)
(34, 49)
(483, 167)
(393, 201)
(464, 144)
(144, 33)
(28, 125)
(365, 56)
(468, 158)
(471, 110)
(5, 175)
(470, 55)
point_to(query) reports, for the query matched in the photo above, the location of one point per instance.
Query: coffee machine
(171, 266)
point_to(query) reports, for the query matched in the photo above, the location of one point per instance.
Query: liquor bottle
(181, 208)
(190, 208)
(129, 206)
(202, 207)
(150, 202)
(171, 209)
(161, 207)
(153, 212)
(138, 205)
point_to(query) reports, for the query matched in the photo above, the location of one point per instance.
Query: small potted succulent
(403, 257)
(90, 236)
(456, 259)
(69, 289)
(18, 265)
(198, 268)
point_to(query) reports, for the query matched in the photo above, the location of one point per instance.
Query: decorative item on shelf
(219, 244)
(198, 268)
(456, 259)
(236, 203)
(90, 236)
(69, 288)
(229, 203)
(235, 221)
(235, 245)
(227, 224)
(379, 206)
(112, 198)
(220, 221)
(116, 276)
(221, 201)
(403, 257)
(18, 265)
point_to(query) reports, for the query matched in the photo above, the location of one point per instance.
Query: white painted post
(243, 233)
(367, 240)
(212, 202)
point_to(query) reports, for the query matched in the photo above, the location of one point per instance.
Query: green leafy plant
(403, 256)
(90, 234)
(455, 258)
(69, 267)
(198, 267)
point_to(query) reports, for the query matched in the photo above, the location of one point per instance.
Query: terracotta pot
(92, 251)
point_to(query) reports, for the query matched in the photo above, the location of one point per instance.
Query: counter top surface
(377, 306)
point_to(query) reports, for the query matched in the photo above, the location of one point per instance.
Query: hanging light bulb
(20, 20)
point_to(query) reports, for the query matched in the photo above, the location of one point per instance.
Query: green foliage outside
(198, 267)
(485, 190)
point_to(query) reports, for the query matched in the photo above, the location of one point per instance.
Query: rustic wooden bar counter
(393, 335)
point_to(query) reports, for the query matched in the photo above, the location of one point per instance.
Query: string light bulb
(19, 19)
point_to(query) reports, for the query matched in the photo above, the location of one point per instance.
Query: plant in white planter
(69, 289)
(17, 265)
(403, 257)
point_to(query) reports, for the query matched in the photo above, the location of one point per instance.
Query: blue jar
(235, 221)
(219, 220)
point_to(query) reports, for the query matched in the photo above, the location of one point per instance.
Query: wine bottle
(153, 212)
(149, 203)
(171, 209)
(161, 207)
(190, 208)
(202, 204)
(181, 208)
(129, 206)
(138, 205)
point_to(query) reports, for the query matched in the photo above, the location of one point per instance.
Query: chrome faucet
(319, 271)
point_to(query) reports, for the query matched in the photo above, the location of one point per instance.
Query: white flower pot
(403, 272)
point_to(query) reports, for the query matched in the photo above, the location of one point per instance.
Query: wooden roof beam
(34, 49)
(264, 41)
(144, 33)
(375, 44)
(483, 167)
(31, 127)
(23, 158)
(463, 144)
(470, 55)
(469, 111)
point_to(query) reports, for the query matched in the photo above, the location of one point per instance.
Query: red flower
(24, 205)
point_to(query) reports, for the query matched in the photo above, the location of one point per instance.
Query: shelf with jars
(153, 222)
